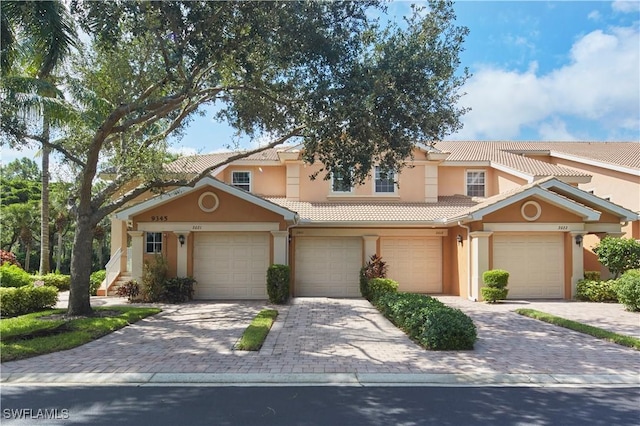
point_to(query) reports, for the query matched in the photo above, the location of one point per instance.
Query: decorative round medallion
(531, 210)
(208, 202)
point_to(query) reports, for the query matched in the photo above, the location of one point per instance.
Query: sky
(541, 70)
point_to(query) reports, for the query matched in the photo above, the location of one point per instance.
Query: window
(153, 242)
(241, 180)
(339, 182)
(475, 184)
(385, 180)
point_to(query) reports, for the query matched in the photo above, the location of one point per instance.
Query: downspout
(469, 296)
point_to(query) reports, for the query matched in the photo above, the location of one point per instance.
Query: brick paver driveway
(319, 335)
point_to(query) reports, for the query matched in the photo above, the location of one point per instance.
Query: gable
(532, 207)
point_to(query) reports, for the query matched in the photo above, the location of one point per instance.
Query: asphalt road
(190, 405)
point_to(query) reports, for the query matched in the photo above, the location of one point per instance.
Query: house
(459, 209)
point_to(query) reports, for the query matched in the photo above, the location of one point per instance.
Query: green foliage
(59, 281)
(596, 291)
(428, 321)
(255, 335)
(492, 295)
(618, 254)
(628, 290)
(380, 286)
(154, 274)
(592, 275)
(8, 257)
(278, 282)
(26, 299)
(495, 278)
(178, 289)
(14, 276)
(374, 268)
(95, 280)
(130, 290)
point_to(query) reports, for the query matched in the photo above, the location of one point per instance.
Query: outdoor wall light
(181, 239)
(459, 239)
(578, 239)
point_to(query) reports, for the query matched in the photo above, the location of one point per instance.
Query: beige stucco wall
(266, 181)
(549, 214)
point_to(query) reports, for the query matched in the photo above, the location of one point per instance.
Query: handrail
(113, 270)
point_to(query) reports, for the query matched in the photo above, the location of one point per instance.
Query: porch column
(479, 261)
(431, 183)
(137, 246)
(370, 246)
(577, 260)
(119, 241)
(182, 249)
(280, 239)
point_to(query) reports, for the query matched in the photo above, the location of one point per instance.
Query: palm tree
(45, 30)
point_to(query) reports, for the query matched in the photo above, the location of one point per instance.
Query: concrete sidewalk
(341, 342)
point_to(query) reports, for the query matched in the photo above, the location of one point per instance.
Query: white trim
(362, 232)
(615, 167)
(535, 216)
(592, 198)
(154, 202)
(250, 180)
(534, 227)
(603, 227)
(466, 181)
(208, 226)
(154, 242)
(215, 204)
(517, 173)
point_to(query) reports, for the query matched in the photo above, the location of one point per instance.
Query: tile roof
(198, 163)
(626, 154)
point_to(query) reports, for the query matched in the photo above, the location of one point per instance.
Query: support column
(479, 261)
(137, 247)
(119, 241)
(370, 246)
(280, 240)
(431, 183)
(182, 250)
(577, 261)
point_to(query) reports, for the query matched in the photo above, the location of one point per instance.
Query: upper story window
(475, 183)
(241, 180)
(153, 242)
(385, 181)
(339, 183)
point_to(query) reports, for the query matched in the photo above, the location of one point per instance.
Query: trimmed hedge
(496, 281)
(59, 281)
(628, 290)
(27, 299)
(14, 276)
(379, 286)
(592, 275)
(278, 280)
(179, 289)
(95, 280)
(596, 291)
(428, 321)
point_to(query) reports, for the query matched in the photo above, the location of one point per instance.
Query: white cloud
(626, 6)
(594, 15)
(555, 130)
(601, 84)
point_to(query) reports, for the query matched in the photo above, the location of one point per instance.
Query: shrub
(618, 254)
(592, 275)
(130, 290)
(278, 281)
(379, 286)
(628, 290)
(95, 280)
(8, 257)
(596, 291)
(154, 274)
(495, 281)
(26, 299)
(178, 290)
(59, 281)
(14, 276)
(428, 321)
(374, 268)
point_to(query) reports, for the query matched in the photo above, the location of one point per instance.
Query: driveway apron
(322, 335)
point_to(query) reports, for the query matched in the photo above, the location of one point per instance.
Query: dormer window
(241, 180)
(385, 181)
(475, 183)
(339, 183)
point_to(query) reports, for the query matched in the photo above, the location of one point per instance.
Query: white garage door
(416, 263)
(231, 265)
(328, 266)
(535, 264)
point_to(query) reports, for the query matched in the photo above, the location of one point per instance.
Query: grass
(254, 336)
(26, 336)
(599, 333)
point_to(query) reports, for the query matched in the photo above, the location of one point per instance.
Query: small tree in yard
(495, 282)
(618, 254)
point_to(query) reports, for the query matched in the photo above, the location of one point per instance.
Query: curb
(320, 379)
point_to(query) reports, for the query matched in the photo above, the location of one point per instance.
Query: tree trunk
(79, 302)
(59, 254)
(45, 266)
(27, 256)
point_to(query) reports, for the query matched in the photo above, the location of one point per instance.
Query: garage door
(328, 266)
(231, 265)
(416, 263)
(535, 264)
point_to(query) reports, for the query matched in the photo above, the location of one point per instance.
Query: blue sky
(542, 70)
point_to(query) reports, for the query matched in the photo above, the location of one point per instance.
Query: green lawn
(620, 339)
(26, 336)
(254, 336)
